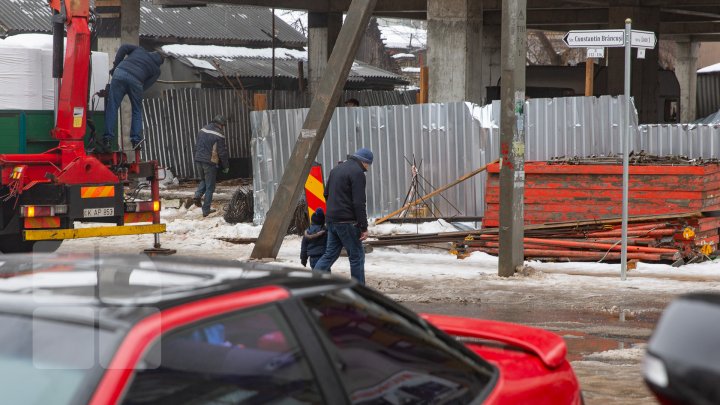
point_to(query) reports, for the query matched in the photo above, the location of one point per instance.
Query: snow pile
(425, 227)
(710, 69)
(411, 69)
(214, 51)
(26, 73)
(403, 56)
(483, 114)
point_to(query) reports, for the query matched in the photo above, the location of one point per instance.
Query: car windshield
(48, 362)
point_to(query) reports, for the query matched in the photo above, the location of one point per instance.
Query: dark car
(81, 329)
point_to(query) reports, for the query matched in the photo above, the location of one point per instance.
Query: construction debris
(679, 239)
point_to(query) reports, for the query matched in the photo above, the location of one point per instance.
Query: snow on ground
(193, 235)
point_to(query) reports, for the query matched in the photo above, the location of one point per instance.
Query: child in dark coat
(314, 240)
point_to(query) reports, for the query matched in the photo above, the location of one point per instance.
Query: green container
(29, 131)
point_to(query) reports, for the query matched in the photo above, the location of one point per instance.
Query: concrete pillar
(644, 78)
(490, 62)
(455, 48)
(323, 30)
(686, 73)
(129, 34)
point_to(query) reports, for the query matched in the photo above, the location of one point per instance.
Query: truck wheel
(15, 244)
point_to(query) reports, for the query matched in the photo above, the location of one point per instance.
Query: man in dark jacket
(314, 240)
(134, 71)
(211, 153)
(346, 215)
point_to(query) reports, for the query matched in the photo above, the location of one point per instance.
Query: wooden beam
(589, 76)
(690, 28)
(313, 130)
(424, 85)
(260, 102)
(434, 193)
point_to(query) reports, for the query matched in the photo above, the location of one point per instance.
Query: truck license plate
(98, 212)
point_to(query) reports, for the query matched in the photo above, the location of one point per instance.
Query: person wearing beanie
(346, 216)
(314, 239)
(211, 154)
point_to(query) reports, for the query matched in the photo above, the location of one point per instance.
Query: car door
(250, 356)
(384, 356)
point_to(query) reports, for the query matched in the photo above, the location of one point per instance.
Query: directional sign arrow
(643, 39)
(609, 38)
(595, 38)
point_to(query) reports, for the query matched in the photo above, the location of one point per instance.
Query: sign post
(626, 150)
(629, 39)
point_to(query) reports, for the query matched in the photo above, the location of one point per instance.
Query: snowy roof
(403, 56)
(247, 62)
(710, 69)
(402, 34)
(214, 51)
(411, 69)
(223, 24)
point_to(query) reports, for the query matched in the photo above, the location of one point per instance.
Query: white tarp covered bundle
(26, 73)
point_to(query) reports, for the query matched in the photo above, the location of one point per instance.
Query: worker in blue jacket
(314, 239)
(211, 154)
(134, 71)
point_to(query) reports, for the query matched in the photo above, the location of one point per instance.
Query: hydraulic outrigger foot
(158, 250)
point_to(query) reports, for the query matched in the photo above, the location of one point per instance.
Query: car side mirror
(682, 362)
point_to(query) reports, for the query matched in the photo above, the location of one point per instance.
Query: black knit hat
(219, 119)
(318, 218)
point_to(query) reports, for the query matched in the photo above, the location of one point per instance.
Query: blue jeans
(207, 172)
(123, 83)
(314, 260)
(344, 235)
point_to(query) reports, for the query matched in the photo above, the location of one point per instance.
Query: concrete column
(686, 73)
(455, 48)
(323, 30)
(490, 62)
(644, 80)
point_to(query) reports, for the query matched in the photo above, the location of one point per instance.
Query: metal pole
(512, 136)
(272, 84)
(626, 151)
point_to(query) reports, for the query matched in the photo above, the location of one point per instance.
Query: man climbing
(134, 71)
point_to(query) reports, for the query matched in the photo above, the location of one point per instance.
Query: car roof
(29, 282)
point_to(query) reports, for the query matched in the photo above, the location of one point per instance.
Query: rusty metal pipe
(597, 246)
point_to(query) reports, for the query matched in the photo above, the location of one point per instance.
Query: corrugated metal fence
(452, 139)
(172, 120)
(708, 94)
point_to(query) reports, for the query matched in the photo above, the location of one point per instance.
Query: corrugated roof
(262, 68)
(19, 16)
(220, 23)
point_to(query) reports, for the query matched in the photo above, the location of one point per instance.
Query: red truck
(43, 195)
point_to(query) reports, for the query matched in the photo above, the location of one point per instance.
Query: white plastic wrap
(26, 73)
(20, 78)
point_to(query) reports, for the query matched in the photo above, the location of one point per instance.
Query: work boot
(205, 214)
(189, 202)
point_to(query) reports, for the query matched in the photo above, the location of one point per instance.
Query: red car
(134, 330)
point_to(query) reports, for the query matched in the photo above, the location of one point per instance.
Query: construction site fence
(451, 139)
(172, 120)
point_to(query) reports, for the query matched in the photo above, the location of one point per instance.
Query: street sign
(642, 39)
(597, 53)
(594, 38)
(609, 38)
